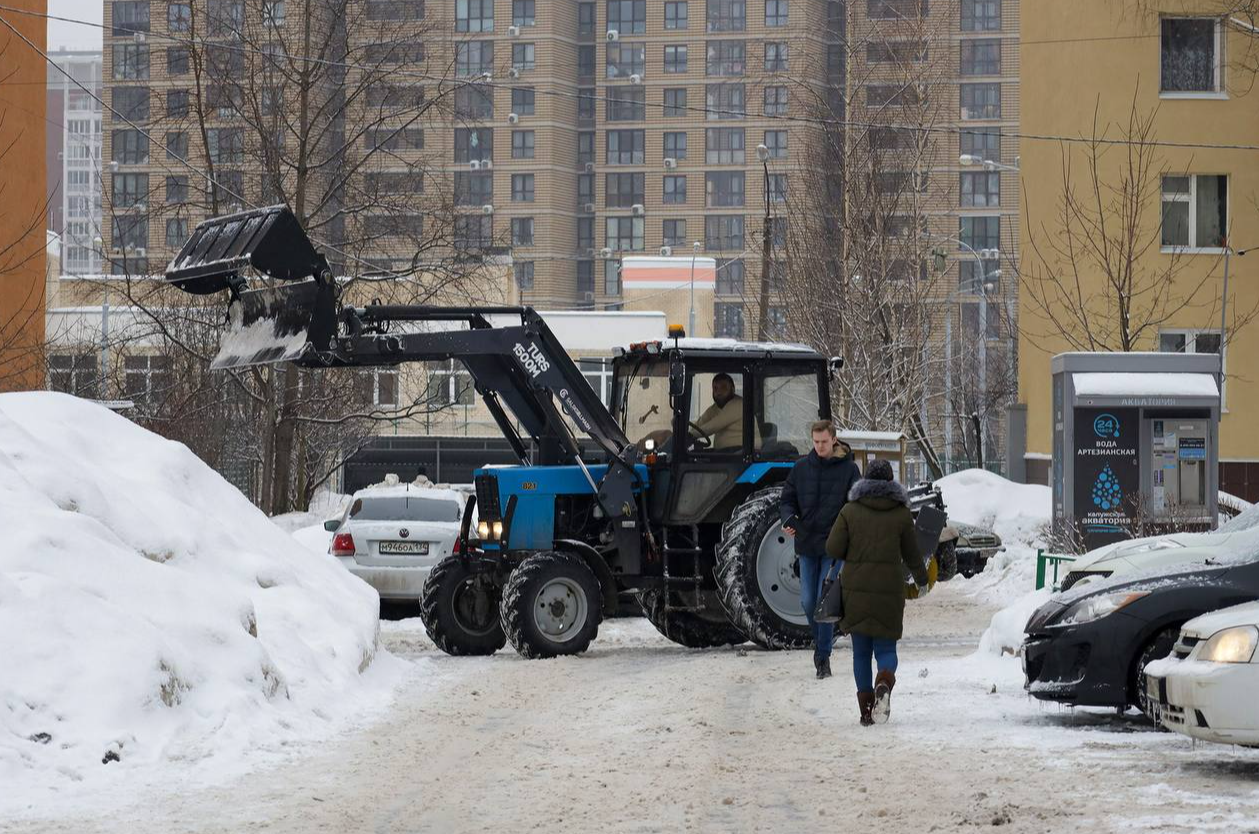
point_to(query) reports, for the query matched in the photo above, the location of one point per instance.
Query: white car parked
(1206, 687)
(392, 536)
(1172, 550)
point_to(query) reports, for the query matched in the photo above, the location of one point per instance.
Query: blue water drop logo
(1106, 491)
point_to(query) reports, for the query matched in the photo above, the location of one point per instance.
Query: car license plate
(404, 548)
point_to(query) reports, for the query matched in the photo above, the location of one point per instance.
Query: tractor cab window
(644, 403)
(787, 403)
(715, 419)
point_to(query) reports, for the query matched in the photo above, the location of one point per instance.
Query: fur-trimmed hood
(868, 488)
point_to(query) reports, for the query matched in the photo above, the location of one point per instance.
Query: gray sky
(74, 35)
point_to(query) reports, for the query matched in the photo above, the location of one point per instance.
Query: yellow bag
(933, 571)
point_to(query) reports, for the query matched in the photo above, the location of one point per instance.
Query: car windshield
(405, 508)
(1244, 520)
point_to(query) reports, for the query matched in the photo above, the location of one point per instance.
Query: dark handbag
(830, 607)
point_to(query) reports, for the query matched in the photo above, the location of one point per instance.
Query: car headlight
(1094, 608)
(1232, 645)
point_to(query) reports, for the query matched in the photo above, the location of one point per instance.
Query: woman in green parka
(874, 536)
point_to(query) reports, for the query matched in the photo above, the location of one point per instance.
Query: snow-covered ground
(155, 627)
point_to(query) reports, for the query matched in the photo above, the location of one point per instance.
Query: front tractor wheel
(946, 558)
(551, 605)
(459, 608)
(757, 575)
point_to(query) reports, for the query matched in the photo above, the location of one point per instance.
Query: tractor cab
(714, 417)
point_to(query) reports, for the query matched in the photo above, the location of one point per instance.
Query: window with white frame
(1195, 211)
(1190, 54)
(146, 379)
(449, 383)
(1189, 340)
(598, 372)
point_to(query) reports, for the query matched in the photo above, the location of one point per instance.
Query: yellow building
(1165, 84)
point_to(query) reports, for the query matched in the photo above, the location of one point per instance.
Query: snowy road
(639, 735)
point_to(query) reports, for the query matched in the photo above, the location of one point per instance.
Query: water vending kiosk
(1136, 440)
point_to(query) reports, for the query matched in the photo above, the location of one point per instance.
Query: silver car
(392, 536)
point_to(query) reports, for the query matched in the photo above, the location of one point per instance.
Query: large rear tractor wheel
(946, 558)
(757, 575)
(551, 605)
(460, 609)
(703, 629)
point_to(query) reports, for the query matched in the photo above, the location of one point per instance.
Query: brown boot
(865, 702)
(884, 682)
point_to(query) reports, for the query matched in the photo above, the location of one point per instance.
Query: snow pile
(1018, 513)
(152, 617)
(1005, 634)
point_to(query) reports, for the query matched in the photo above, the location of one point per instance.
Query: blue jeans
(813, 570)
(865, 649)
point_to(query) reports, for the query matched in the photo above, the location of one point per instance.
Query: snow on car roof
(1144, 385)
(697, 343)
(412, 490)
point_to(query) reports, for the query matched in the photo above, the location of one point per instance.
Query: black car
(1088, 646)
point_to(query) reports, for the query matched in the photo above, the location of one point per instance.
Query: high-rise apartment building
(74, 158)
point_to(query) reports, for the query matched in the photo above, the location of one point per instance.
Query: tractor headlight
(497, 529)
(1232, 645)
(1094, 608)
(483, 530)
(649, 444)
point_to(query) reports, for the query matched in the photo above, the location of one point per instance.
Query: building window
(473, 189)
(675, 145)
(1195, 211)
(586, 104)
(984, 142)
(585, 147)
(131, 231)
(977, 233)
(981, 15)
(177, 62)
(725, 146)
(178, 16)
(522, 144)
(177, 188)
(273, 12)
(225, 18)
(980, 189)
(775, 101)
(673, 233)
(724, 189)
(981, 101)
(474, 58)
(225, 144)
(524, 274)
(623, 190)
(674, 103)
(624, 233)
(399, 182)
(177, 145)
(474, 15)
(674, 189)
(522, 231)
(776, 142)
(522, 12)
(730, 275)
(626, 59)
(627, 104)
(130, 147)
(130, 190)
(585, 18)
(176, 103)
(891, 95)
(131, 61)
(775, 12)
(449, 383)
(395, 9)
(970, 321)
(776, 56)
(473, 102)
(585, 277)
(1192, 341)
(522, 101)
(726, 58)
(778, 188)
(629, 17)
(675, 58)
(725, 101)
(586, 191)
(896, 52)
(586, 62)
(777, 323)
(727, 15)
(523, 56)
(585, 233)
(675, 15)
(176, 228)
(130, 16)
(522, 188)
(75, 374)
(473, 231)
(625, 147)
(723, 232)
(473, 143)
(611, 277)
(395, 139)
(896, 9)
(1190, 59)
(728, 319)
(981, 57)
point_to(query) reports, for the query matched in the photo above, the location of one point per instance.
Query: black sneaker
(824, 668)
(817, 665)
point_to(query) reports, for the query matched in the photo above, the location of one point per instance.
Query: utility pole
(762, 331)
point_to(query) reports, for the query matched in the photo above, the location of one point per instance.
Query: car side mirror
(332, 525)
(677, 380)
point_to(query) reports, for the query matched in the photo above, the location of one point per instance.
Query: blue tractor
(670, 496)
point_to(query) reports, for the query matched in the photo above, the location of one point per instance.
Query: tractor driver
(720, 426)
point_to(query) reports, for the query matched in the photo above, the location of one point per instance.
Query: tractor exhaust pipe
(279, 323)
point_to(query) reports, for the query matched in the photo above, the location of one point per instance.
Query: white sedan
(1206, 687)
(392, 536)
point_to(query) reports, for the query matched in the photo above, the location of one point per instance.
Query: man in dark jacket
(813, 495)
(874, 536)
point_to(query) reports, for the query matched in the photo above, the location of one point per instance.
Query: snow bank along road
(639, 735)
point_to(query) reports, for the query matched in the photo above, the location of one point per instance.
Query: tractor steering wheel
(704, 441)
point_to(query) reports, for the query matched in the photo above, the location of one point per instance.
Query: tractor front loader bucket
(273, 324)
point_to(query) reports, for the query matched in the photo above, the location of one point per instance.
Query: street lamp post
(690, 330)
(762, 153)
